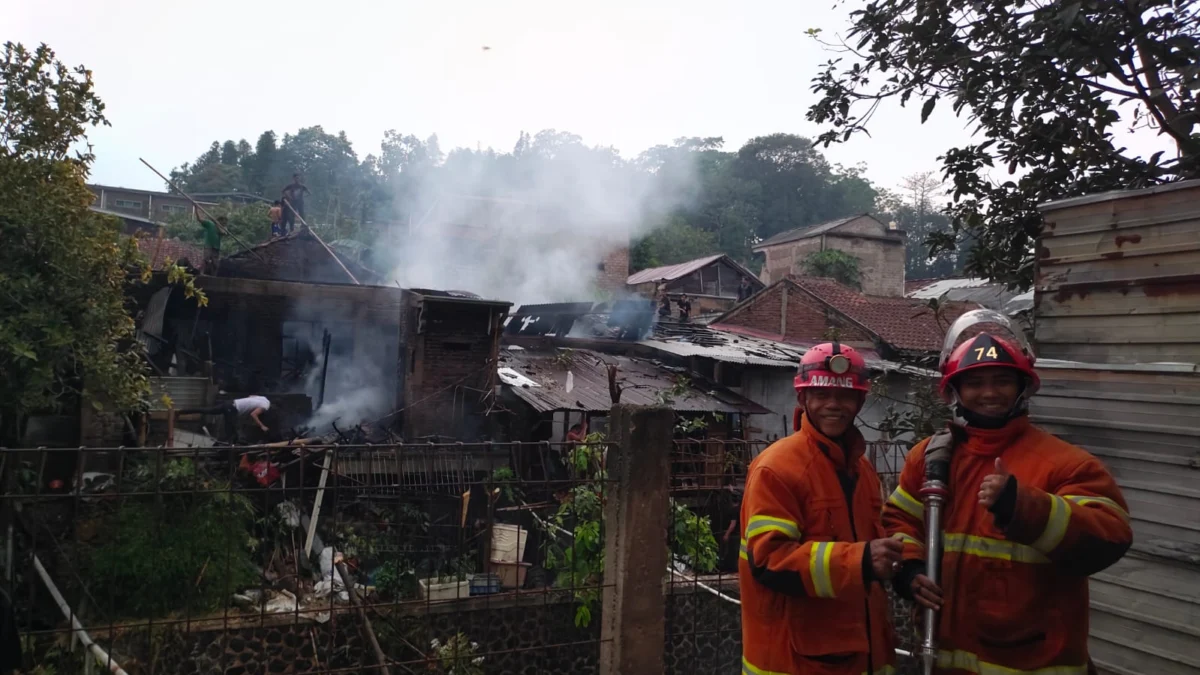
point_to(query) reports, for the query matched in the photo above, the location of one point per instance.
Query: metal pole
(933, 493)
(202, 210)
(324, 367)
(322, 242)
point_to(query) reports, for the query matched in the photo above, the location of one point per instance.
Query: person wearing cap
(814, 555)
(1028, 519)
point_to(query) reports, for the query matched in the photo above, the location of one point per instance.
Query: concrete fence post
(633, 608)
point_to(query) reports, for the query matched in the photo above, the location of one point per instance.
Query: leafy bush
(396, 579)
(174, 552)
(834, 264)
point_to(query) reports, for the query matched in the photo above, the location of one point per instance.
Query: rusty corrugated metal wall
(1117, 295)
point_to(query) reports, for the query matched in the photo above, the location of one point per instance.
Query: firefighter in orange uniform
(814, 554)
(1028, 518)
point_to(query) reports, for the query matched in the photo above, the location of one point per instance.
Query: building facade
(879, 248)
(150, 204)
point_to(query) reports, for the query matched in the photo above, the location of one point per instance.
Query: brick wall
(453, 357)
(807, 319)
(614, 271)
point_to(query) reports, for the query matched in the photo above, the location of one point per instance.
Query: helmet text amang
(832, 364)
(985, 338)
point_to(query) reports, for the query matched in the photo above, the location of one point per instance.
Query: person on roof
(814, 555)
(212, 241)
(1029, 517)
(293, 195)
(275, 213)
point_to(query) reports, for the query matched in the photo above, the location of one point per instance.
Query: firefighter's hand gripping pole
(933, 494)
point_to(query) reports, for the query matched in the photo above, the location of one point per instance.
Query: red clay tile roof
(175, 249)
(902, 323)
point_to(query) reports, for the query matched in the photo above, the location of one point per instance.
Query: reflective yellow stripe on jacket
(1084, 500)
(907, 503)
(1056, 525)
(818, 568)
(960, 660)
(986, 547)
(763, 524)
(750, 669)
(908, 539)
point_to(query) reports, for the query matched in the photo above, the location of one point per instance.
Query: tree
(837, 265)
(672, 243)
(916, 209)
(1044, 83)
(259, 167)
(64, 331)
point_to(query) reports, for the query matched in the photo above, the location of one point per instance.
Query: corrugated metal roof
(729, 346)
(577, 379)
(1116, 194)
(807, 232)
(669, 272)
(939, 287)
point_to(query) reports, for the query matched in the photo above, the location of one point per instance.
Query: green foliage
(918, 415)
(712, 200)
(675, 242)
(510, 486)
(456, 656)
(1046, 87)
(834, 264)
(189, 547)
(63, 269)
(396, 579)
(917, 210)
(574, 547)
(248, 222)
(691, 539)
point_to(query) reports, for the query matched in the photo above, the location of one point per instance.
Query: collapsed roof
(578, 380)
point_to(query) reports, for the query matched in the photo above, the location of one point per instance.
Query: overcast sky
(177, 75)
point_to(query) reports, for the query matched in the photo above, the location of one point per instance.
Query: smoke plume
(527, 227)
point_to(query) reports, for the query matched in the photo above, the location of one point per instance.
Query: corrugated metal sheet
(1144, 423)
(669, 272)
(577, 379)
(185, 392)
(1118, 277)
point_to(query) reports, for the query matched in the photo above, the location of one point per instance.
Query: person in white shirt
(231, 411)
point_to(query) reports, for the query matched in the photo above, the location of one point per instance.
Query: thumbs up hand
(993, 484)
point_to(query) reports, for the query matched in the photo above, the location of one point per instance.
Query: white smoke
(527, 228)
(356, 388)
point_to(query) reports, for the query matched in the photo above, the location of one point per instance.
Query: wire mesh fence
(703, 621)
(470, 559)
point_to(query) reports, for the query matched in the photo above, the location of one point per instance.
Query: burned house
(713, 283)
(553, 385)
(291, 320)
(451, 342)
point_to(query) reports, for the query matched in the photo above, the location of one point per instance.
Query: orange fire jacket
(1015, 584)
(809, 604)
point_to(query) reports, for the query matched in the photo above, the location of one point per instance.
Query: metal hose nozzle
(933, 495)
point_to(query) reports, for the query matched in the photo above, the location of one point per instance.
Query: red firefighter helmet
(831, 364)
(990, 340)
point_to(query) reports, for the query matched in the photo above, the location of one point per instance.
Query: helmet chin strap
(964, 417)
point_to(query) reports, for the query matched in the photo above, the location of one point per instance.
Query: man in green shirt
(212, 242)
